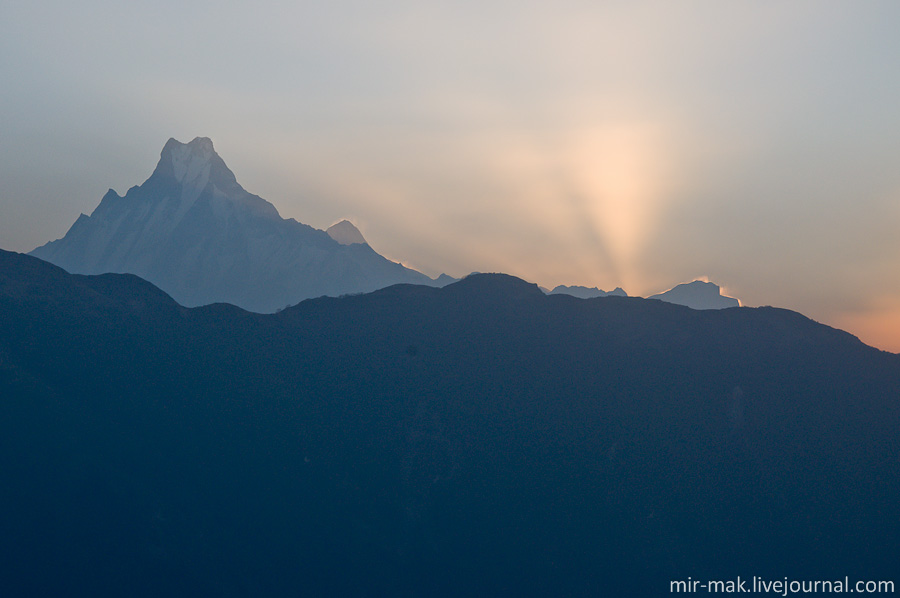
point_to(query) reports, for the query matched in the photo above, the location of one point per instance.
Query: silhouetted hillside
(478, 439)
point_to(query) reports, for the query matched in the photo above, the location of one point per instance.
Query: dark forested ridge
(480, 439)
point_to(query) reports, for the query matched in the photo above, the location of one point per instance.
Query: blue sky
(634, 144)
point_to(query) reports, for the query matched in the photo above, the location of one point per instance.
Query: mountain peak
(199, 145)
(495, 285)
(345, 233)
(193, 231)
(698, 294)
(189, 162)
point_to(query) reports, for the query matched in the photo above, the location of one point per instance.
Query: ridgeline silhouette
(479, 439)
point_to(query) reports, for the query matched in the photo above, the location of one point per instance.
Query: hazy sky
(633, 144)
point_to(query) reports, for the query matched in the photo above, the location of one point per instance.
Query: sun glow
(878, 325)
(622, 174)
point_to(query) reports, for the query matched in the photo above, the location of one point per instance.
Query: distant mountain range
(192, 230)
(696, 295)
(480, 439)
(586, 292)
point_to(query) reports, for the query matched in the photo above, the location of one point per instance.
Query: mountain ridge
(431, 441)
(194, 231)
(583, 292)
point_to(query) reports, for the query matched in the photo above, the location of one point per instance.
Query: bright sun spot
(623, 172)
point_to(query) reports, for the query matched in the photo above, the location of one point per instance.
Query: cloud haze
(604, 144)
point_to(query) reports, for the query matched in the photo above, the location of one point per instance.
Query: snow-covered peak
(698, 294)
(192, 230)
(345, 233)
(190, 161)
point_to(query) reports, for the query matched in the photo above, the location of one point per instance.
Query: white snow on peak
(699, 294)
(233, 248)
(191, 161)
(191, 164)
